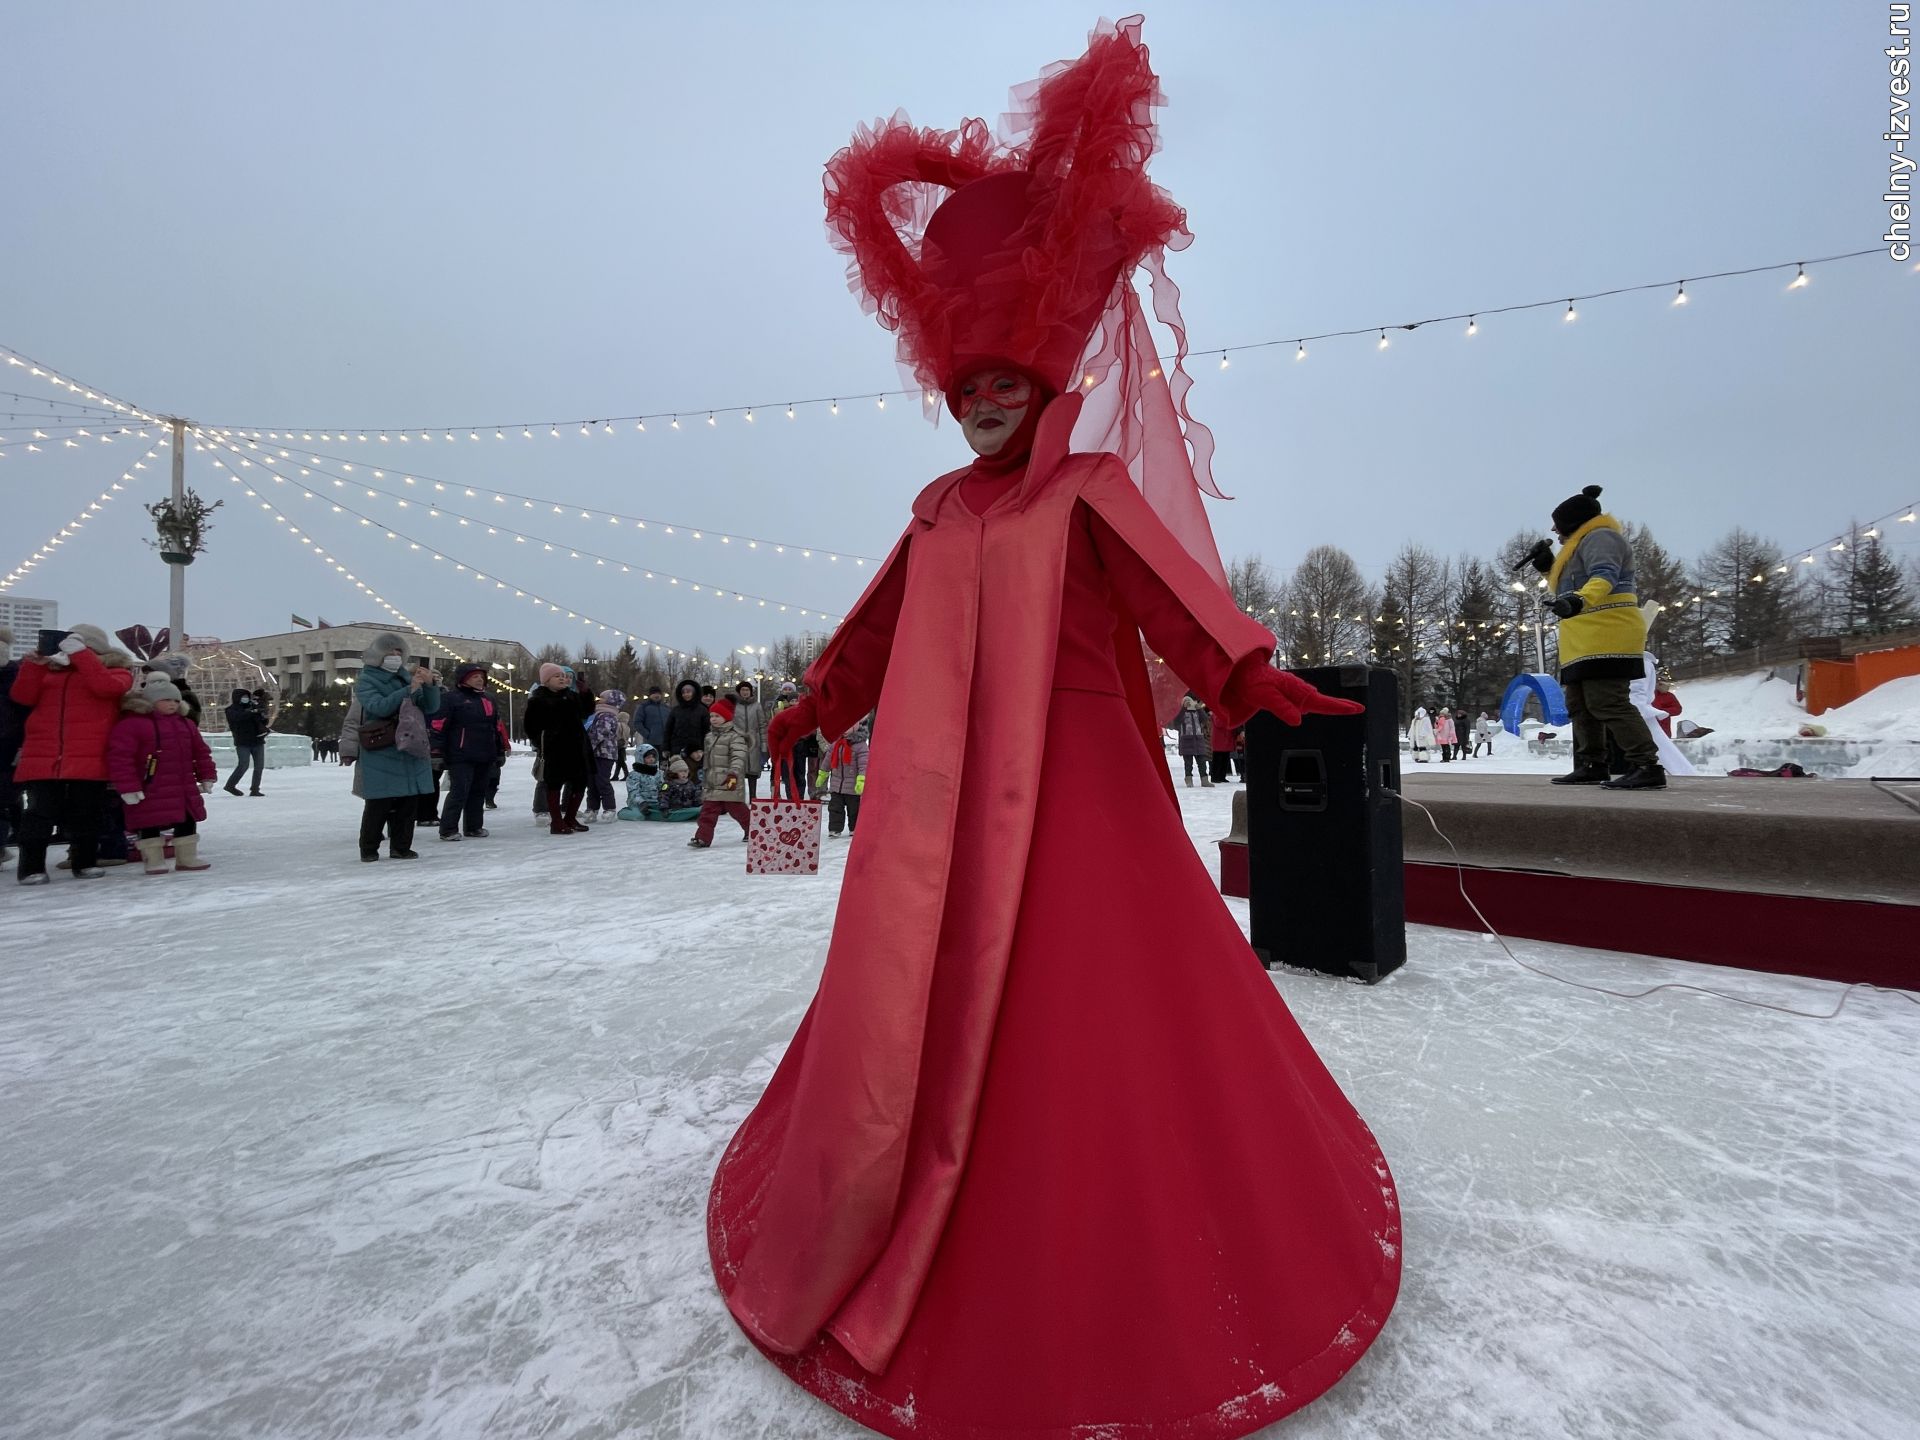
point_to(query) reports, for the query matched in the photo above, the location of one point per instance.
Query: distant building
(812, 642)
(27, 618)
(288, 665)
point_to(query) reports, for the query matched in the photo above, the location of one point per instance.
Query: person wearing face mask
(160, 766)
(556, 721)
(1033, 991)
(247, 723)
(395, 767)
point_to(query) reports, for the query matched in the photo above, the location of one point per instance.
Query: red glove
(788, 728)
(1287, 696)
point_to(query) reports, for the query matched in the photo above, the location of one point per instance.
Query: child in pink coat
(161, 767)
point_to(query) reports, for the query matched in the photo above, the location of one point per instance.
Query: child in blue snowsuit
(647, 797)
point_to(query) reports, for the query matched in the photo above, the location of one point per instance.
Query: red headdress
(1020, 250)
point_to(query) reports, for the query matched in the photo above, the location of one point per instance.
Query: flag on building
(324, 623)
(303, 624)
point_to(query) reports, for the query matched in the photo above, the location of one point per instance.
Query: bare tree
(1257, 590)
(1326, 610)
(1414, 591)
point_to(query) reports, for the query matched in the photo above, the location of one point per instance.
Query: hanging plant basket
(181, 529)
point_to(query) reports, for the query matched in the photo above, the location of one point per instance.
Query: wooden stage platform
(1805, 877)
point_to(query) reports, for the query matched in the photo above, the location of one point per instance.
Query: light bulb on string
(640, 426)
(583, 428)
(1224, 362)
(749, 415)
(881, 403)
(553, 432)
(1383, 341)
(1473, 325)
(527, 431)
(1300, 350)
(1799, 281)
(834, 408)
(789, 410)
(1680, 294)
(710, 419)
(1571, 315)
(676, 422)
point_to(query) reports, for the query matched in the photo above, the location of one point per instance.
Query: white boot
(186, 853)
(153, 854)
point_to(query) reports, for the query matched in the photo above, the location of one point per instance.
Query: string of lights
(20, 360)
(480, 576)
(58, 408)
(67, 531)
(40, 441)
(340, 569)
(670, 420)
(560, 507)
(435, 510)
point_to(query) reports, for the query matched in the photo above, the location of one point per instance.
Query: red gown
(1048, 1155)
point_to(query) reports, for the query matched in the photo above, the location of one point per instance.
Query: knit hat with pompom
(1576, 510)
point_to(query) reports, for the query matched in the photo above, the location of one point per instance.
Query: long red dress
(1048, 1155)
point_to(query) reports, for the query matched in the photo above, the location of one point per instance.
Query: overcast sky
(367, 216)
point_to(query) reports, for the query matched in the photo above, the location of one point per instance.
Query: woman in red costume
(1048, 1155)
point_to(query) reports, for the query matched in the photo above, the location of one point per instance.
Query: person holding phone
(394, 768)
(72, 688)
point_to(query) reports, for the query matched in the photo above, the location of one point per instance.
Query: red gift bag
(783, 836)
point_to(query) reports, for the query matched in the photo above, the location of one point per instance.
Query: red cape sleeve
(1189, 620)
(846, 679)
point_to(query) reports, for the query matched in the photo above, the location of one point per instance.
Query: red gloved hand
(788, 728)
(1287, 696)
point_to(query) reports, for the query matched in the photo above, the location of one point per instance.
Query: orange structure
(1833, 683)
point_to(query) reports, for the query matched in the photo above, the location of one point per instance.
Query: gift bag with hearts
(783, 836)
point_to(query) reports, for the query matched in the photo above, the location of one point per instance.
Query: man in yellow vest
(1603, 639)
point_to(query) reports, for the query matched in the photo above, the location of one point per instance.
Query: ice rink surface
(303, 1147)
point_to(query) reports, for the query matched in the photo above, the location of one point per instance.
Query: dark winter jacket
(469, 726)
(189, 702)
(687, 722)
(650, 722)
(74, 709)
(164, 759)
(244, 720)
(13, 717)
(556, 723)
(1196, 730)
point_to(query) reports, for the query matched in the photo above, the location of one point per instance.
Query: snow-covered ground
(303, 1147)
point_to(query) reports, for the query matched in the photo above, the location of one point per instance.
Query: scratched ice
(308, 1148)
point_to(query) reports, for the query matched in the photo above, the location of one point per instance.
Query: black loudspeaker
(1325, 886)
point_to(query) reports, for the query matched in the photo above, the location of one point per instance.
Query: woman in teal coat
(392, 775)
